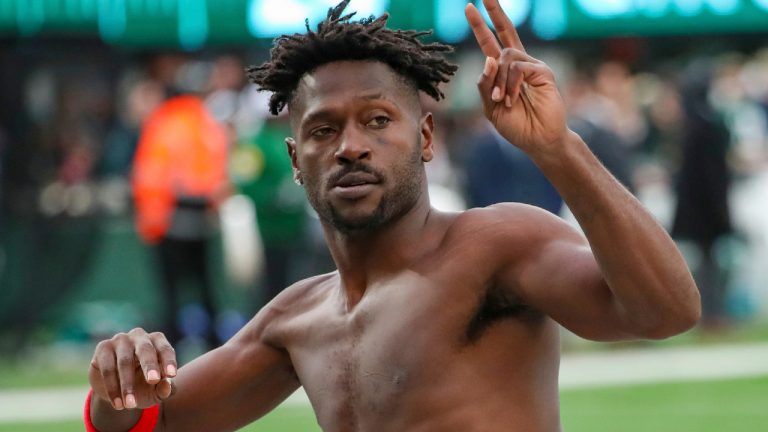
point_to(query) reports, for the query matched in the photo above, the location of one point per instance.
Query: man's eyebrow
(319, 115)
(373, 96)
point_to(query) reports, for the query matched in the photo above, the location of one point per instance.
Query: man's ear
(427, 129)
(290, 144)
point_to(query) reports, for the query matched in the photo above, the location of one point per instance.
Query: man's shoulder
(508, 209)
(503, 232)
(305, 293)
(503, 219)
(292, 304)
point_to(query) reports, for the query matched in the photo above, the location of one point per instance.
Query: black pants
(184, 263)
(712, 281)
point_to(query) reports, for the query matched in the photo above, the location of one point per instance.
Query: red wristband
(146, 422)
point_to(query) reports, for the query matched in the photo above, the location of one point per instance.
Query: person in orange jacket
(179, 174)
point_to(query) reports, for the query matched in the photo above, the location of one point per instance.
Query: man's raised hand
(133, 370)
(519, 93)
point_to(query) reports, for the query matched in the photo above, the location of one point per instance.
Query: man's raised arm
(630, 280)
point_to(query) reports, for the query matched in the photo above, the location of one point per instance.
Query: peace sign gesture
(519, 93)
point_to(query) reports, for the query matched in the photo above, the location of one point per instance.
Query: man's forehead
(358, 76)
(359, 79)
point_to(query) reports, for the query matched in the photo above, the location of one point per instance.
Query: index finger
(503, 25)
(485, 37)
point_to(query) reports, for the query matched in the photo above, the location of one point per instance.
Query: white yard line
(663, 365)
(40, 405)
(586, 370)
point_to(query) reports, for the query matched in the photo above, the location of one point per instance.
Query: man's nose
(353, 147)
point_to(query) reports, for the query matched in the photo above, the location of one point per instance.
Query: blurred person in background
(141, 98)
(739, 91)
(621, 113)
(702, 216)
(612, 149)
(498, 172)
(179, 176)
(262, 172)
(664, 113)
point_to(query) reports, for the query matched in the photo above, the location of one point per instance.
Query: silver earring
(298, 180)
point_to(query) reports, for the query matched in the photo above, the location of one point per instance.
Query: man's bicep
(229, 387)
(561, 278)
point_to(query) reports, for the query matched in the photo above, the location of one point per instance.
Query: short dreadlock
(338, 38)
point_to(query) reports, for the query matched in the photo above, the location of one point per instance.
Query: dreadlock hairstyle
(338, 38)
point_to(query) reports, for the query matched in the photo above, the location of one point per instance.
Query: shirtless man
(434, 321)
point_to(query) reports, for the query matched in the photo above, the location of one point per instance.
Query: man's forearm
(639, 261)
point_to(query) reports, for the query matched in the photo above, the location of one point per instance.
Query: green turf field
(711, 406)
(708, 406)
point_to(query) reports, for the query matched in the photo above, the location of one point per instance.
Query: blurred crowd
(184, 148)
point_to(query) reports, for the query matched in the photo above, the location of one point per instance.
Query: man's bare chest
(402, 338)
(386, 345)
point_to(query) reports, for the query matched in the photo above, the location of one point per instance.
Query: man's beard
(393, 204)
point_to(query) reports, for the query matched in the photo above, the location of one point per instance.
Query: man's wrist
(100, 416)
(560, 153)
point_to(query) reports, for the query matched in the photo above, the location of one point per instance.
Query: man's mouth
(355, 185)
(356, 179)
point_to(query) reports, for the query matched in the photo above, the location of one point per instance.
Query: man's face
(360, 144)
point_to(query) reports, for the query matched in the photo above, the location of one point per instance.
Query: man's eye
(379, 121)
(321, 132)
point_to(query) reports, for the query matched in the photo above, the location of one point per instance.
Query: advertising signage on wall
(553, 19)
(653, 17)
(194, 23)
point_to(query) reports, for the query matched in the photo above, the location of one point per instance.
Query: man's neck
(364, 257)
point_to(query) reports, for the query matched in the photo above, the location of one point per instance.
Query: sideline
(580, 370)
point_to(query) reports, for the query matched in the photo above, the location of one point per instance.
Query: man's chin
(356, 223)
